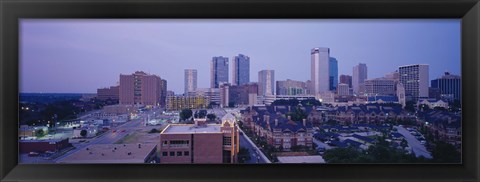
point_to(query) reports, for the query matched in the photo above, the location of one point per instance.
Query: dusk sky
(79, 56)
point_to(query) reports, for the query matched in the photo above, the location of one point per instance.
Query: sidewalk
(256, 148)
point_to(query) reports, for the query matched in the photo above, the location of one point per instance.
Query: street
(254, 155)
(413, 143)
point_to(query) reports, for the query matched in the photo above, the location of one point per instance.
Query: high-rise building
(240, 94)
(266, 82)
(450, 86)
(211, 94)
(346, 79)
(359, 76)
(343, 89)
(379, 86)
(190, 80)
(218, 71)
(415, 80)
(320, 70)
(140, 88)
(163, 93)
(333, 79)
(241, 70)
(200, 142)
(291, 87)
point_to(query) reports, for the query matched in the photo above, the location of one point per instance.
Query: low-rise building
(200, 142)
(280, 131)
(175, 103)
(41, 146)
(432, 103)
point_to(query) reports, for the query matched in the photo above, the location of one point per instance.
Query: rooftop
(301, 159)
(111, 153)
(191, 128)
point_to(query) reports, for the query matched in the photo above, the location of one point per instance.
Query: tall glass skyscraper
(450, 86)
(190, 80)
(415, 80)
(358, 78)
(320, 70)
(218, 71)
(333, 79)
(266, 82)
(241, 70)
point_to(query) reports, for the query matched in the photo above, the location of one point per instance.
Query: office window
(172, 153)
(227, 141)
(165, 143)
(179, 153)
(164, 153)
(186, 153)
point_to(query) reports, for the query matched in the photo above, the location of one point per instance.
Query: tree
(298, 114)
(154, 131)
(410, 106)
(83, 133)
(211, 117)
(445, 153)
(243, 155)
(39, 133)
(185, 114)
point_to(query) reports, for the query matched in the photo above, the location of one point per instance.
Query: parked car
(33, 154)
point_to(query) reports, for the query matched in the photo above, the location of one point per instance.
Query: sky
(80, 56)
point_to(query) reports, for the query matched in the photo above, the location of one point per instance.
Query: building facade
(379, 86)
(177, 103)
(190, 80)
(108, 93)
(218, 71)
(291, 87)
(415, 81)
(346, 79)
(141, 88)
(200, 143)
(450, 87)
(333, 79)
(358, 78)
(241, 70)
(320, 70)
(266, 82)
(343, 89)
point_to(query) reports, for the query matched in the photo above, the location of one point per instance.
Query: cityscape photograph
(236, 91)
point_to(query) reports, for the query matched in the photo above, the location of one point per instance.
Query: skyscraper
(415, 81)
(320, 70)
(266, 82)
(218, 71)
(358, 78)
(190, 80)
(346, 79)
(241, 70)
(333, 79)
(450, 86)
(140, 88)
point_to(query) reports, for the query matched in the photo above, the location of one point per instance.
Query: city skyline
(73, 47)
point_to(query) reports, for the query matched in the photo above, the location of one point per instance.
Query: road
(253, 151)
(413, 143)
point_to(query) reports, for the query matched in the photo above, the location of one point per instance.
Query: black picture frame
(12, 10)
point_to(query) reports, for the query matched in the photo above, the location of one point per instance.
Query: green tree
(83, 133)
(185, 114)
(211, 117)
(445, 153)
(341, 155)
(39, 133)
(410, 106)
(154, 131)
(243, 155)
(298, 114)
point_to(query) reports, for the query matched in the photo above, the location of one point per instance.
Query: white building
(343, 89)
(190, 80)
(358, 78)
(320, 70)
(415, 80)
(432, 103)
(266, 82)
